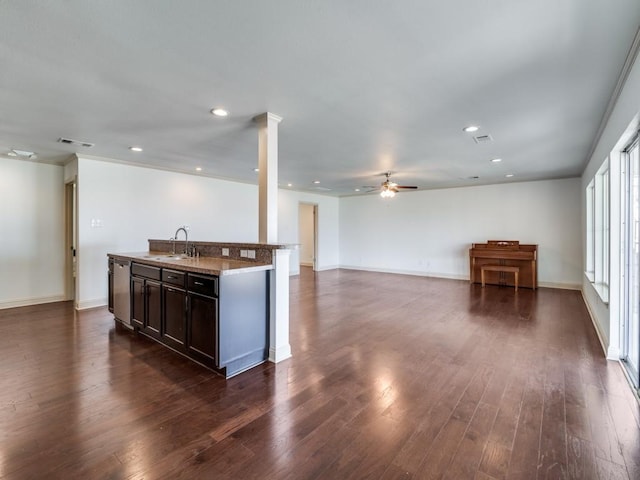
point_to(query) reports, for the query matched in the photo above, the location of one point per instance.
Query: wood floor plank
(552, 462)
(392, 377)
(525, 452)
(581, 464)
(469, 453)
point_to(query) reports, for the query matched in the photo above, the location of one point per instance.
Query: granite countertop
(206, 265)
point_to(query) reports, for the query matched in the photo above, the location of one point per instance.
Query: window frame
(597, 252)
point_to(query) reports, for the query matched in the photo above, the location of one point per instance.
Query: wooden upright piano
(508, 253)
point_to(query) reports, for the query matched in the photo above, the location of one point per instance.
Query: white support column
(268, 177)
(279, 348)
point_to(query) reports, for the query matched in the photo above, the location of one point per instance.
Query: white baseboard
(24, 302)
(450, 276)
(613, 353)
(599, 333)
(327, 267)
(279, 354)
(562, 286)
(93, 303)
(417, 273)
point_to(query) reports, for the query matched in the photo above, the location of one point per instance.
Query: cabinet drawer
(173, 277)
(203, 284)
(145, 271)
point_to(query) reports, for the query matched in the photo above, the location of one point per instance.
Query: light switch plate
(251, 254)
(225, 252)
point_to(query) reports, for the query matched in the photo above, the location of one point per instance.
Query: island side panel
(243, 331)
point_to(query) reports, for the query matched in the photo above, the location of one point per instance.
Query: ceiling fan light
(387, 193)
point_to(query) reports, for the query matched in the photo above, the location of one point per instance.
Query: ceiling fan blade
(405, 186)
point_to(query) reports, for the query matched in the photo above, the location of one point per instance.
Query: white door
(307, 234)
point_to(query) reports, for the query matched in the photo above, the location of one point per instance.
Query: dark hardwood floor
(393, 377)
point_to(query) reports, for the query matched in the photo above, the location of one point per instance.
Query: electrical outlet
(243, 253)
(225, 252)
(251, 254)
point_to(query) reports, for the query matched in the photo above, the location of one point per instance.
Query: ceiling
(363, 87)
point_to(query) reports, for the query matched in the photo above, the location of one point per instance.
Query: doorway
(70, 209)
(308, 234)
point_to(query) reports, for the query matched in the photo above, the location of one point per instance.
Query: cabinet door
(175, 318)
(137, 302)
(154, 308)
(203, 320)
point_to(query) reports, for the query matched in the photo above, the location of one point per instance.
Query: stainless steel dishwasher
(121, 292)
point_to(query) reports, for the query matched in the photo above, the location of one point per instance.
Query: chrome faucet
(186, 240)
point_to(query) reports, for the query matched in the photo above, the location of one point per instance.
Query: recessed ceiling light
(509, 175)
(289, 184)
(357, 189)
(471, 128)
(135, 149)
(316, 181)
(198, 169)
(220, 112)
(12, 154)
(256, 170)
(496, 160)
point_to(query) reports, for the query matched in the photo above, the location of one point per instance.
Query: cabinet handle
(170, 290)
(199, 283)
(172, 276)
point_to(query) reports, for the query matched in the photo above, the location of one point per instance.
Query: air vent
(322, 189)
(22, 154)
(483, 139)
(77, 143)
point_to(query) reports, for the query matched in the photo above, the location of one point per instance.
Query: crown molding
(632, 55)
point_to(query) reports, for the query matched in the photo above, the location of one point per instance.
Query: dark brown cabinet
(110, 283)
(203, 322)
(220, 322)
(137, 302)
(174, 333)
(154, 308)
(146, 299)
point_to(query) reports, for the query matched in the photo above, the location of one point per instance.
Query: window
(597, 248)
(590, 250)
(631, 237)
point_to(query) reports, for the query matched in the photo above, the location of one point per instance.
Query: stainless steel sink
(168, 256)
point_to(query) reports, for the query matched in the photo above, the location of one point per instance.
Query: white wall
(430, 232)
(135, 204)
(327, 256)
(306, 226)
(621, 125)
(32, 233)
(426, 233)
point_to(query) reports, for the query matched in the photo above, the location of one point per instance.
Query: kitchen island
(213, 310)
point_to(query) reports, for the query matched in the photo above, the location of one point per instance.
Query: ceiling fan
(388, 189)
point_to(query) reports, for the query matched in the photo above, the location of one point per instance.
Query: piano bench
(500, 268)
